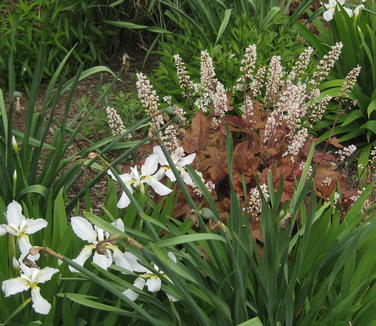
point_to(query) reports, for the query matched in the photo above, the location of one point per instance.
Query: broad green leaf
(34, 189)
(371, 108)
(352, 116)
(370, 125)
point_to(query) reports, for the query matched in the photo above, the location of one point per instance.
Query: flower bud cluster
(301, 64)
(208, 78)
(247, 110)
(274, 80)
(184, 81)
(317, 110)
(219, 104)
(350, 81)
(115, 122)
(149, 99)
(247, 68)
(208, 184)
(346, 152)
(255, 202)
(297, 143)
(326, 64)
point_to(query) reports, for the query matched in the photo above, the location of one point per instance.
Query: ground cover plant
(62, 25)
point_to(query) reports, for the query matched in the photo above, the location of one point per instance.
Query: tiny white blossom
(29, 279)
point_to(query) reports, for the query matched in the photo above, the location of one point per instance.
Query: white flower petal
(2, 230)
(126, 178)
(14, 285)
(138, 283)
(172, 298)
(172, 257)
(83, 229)
(154, 284)
(24, 244)
(187, 179)
(133, 263)
(160, 173)
(40, 304)
(187, 160)
(82, 257)
(15, 263)
(103, 261)
(328, 14)
(119, 224)
(158, 187)
(150, 165)
(120, 260)
(14, 214)
(124, 201)
(45, 274)
(158, 151)
(131, 295)
(358, 9)
(28, 271)
(33, 226)
(100, 233)
(109, 172)
(349, 11)
(11, 229)
(170, 175)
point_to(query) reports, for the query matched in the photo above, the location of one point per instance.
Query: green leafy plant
(60, 26)
(226, 277)
(358, 124)
(274, 39)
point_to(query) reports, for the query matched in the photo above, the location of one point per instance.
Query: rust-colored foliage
(254, 158)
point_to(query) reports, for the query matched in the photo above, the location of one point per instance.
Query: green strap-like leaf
(189, 238)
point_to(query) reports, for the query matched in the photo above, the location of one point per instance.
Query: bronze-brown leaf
(197, 138)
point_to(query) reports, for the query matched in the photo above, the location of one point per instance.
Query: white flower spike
(29, 279)
(19, 226)
(105, 251)
(151, 280)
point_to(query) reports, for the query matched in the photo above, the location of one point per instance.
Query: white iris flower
(137, 180)
(105, 251)
(180, 162)
(151, 280)
(331, 7)
(29, 279)
(20, 226)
